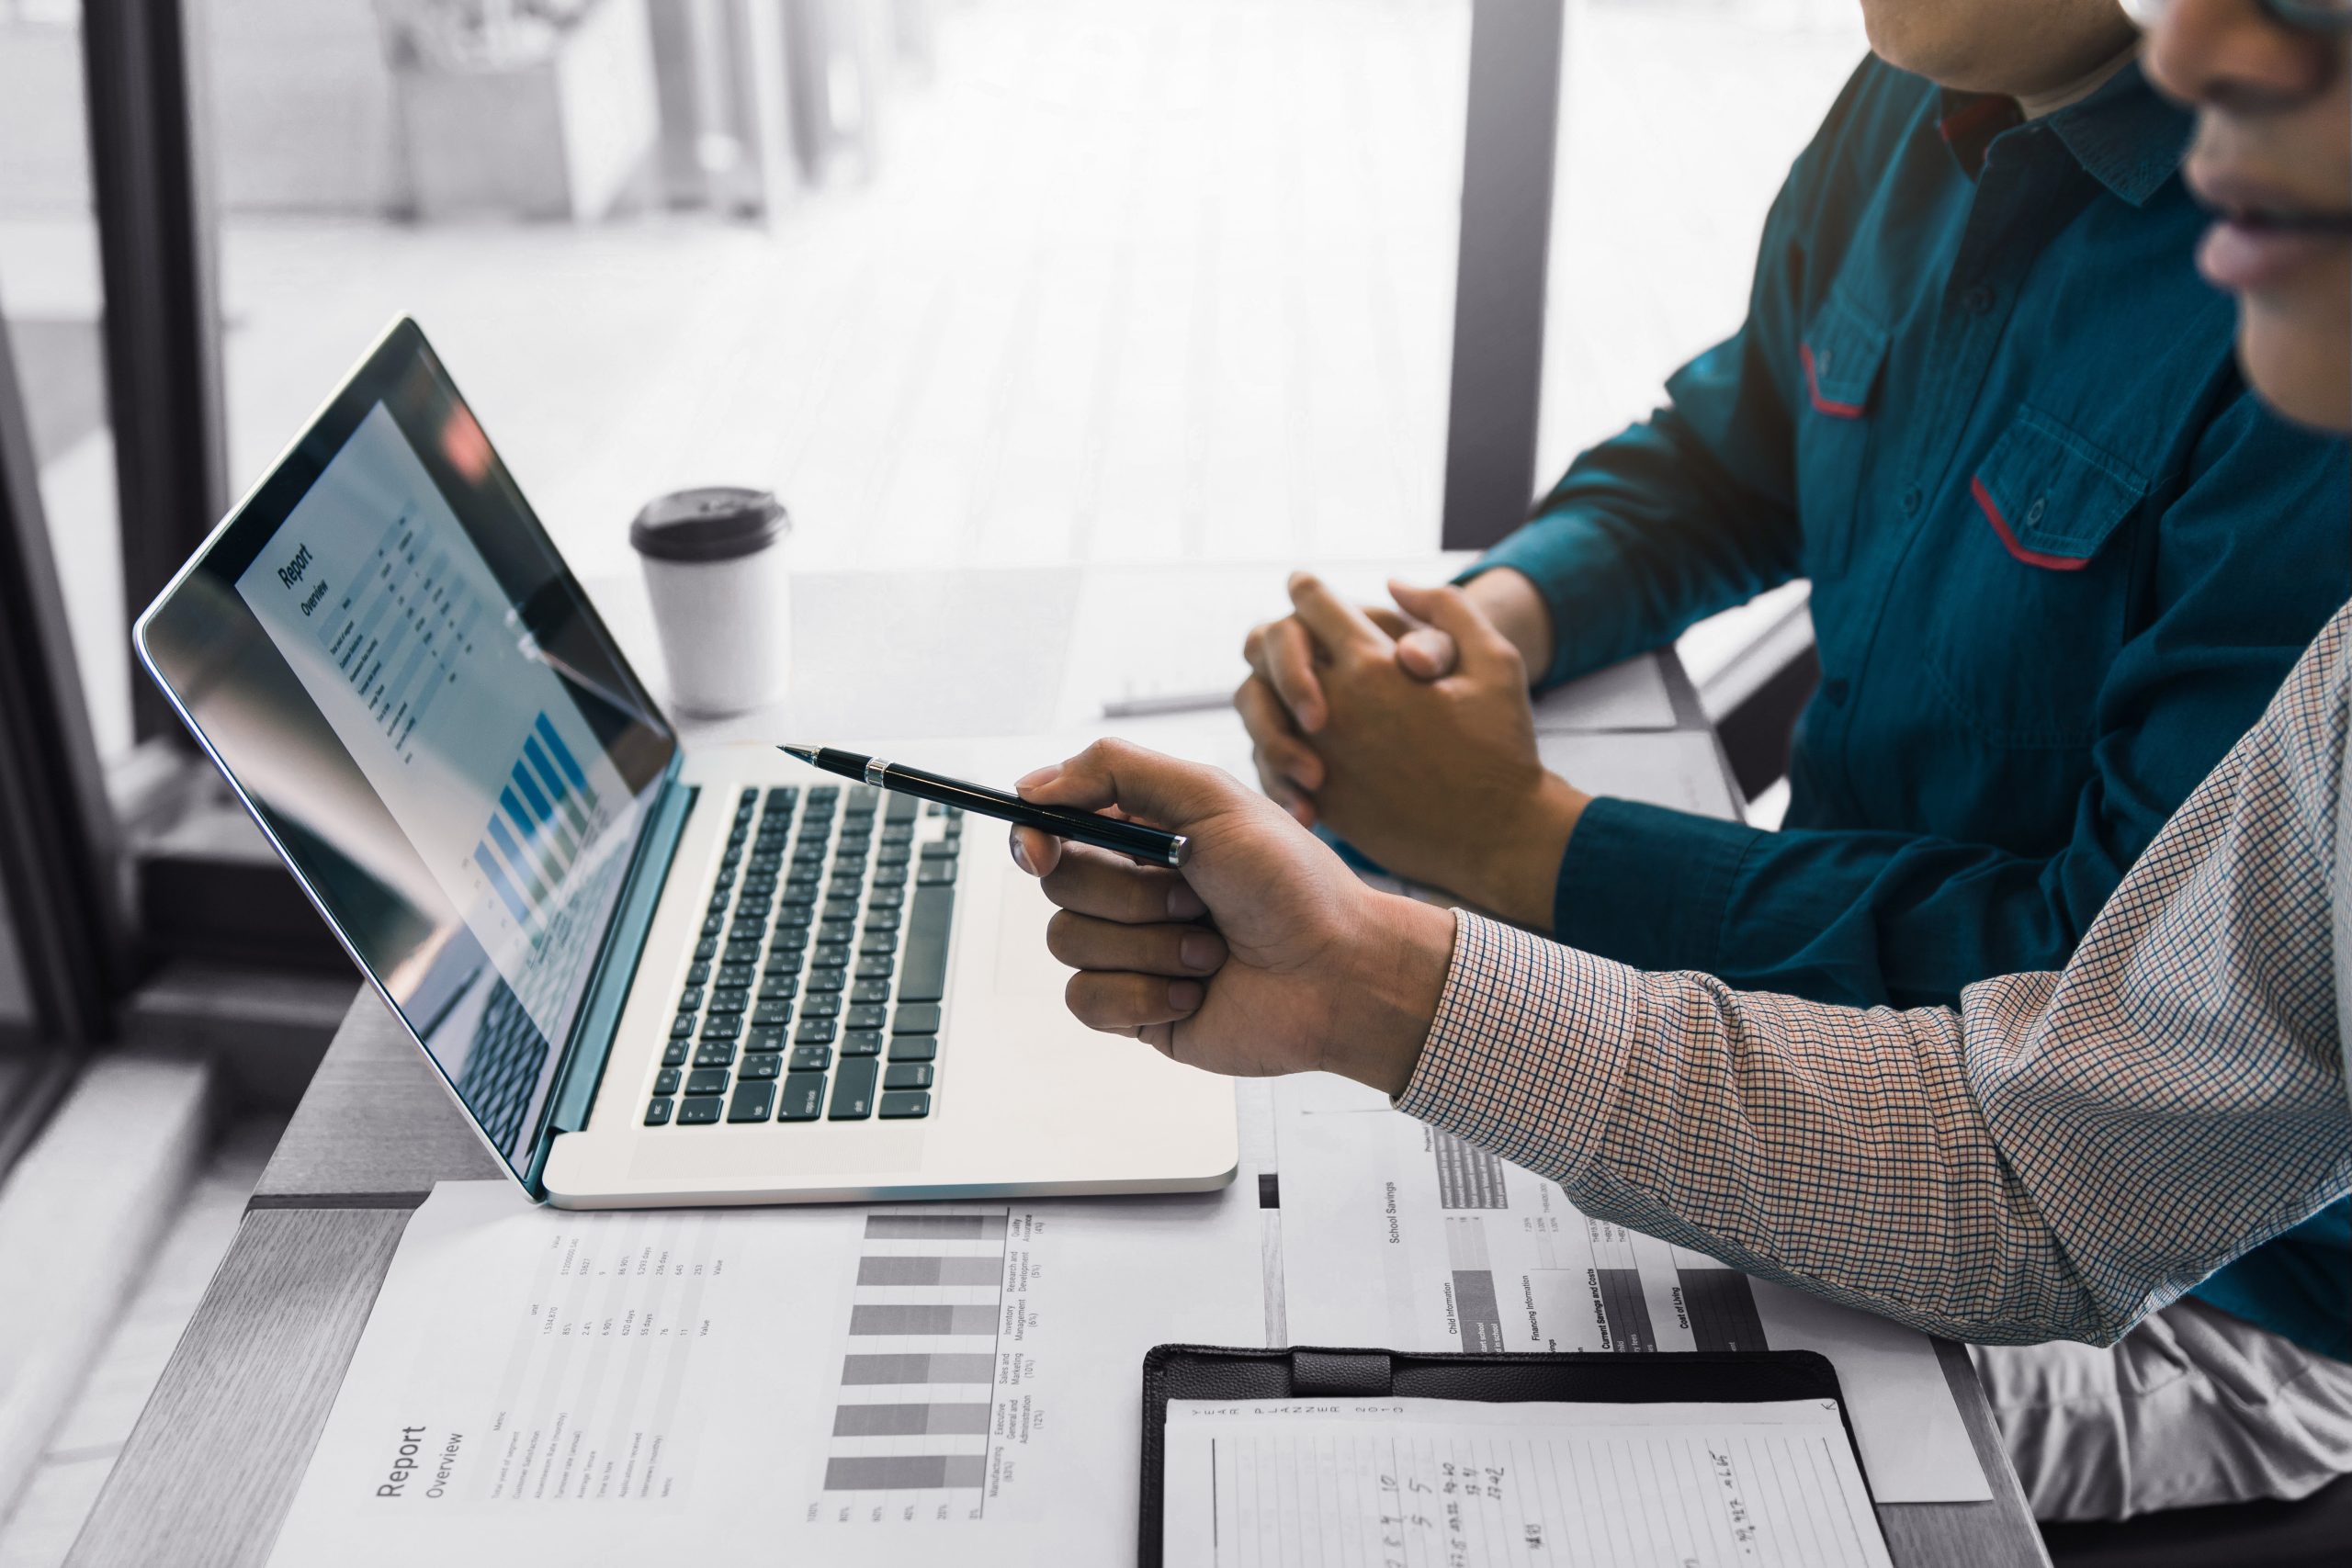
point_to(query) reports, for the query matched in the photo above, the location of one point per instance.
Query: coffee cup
(722, 605)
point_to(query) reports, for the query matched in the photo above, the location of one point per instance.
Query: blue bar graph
(546, 790)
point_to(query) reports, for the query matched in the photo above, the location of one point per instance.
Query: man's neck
(2033, 106)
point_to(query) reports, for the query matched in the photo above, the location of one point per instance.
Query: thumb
(1480, 644)
(1143, 785)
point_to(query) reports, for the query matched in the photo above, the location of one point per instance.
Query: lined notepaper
(1447, 1484)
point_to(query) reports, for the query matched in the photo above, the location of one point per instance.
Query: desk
(215, 1461)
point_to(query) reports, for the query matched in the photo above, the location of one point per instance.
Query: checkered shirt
(2061, 1155)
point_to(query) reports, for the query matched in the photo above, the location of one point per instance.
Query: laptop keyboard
(816, 985)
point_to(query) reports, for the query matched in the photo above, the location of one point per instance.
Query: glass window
(50, 291)
(1004, 281)
(1679, 119)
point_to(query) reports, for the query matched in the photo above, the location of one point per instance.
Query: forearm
(1846, 1153)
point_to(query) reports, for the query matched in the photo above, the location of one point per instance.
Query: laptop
(647, 974)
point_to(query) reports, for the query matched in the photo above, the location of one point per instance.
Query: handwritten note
(1446, 1484)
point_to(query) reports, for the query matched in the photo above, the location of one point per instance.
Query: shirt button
(1835, 690)
(2035, 513)
(1912, 499)
(1977, 300)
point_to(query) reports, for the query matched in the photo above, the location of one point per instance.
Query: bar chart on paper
(915, 1407)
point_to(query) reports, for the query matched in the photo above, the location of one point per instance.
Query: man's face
(2273, 158)
(2017, 47)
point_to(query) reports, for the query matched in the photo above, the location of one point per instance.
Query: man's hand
(1264, 956)
(1435, 778)
(1283, 705)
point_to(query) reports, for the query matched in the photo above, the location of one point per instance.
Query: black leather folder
(1206, 1371)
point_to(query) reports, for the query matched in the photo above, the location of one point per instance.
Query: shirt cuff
(1648, 886)
(1528, 1047)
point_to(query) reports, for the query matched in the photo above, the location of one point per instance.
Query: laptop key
(821, 981)
(935, 873)
(698, 976)
(892, 854)
(722, 1028)
(830, 955)
(764, 1037)
(885, 898)
(862, 1042)
(873, 1015)
(914, 1047)
(666, 1082)
(714, 1053)
(777, 1011)
(727, 999)
(675, 1055)
(906, 1075)
(803, 1098)
(657, 1112)
(869, 991)
(880, 918)
(889, 877)
(811, 1059)
(682, 1026)
(706, 1081)
(852, 1091)
(814, 1032)
(923, 976)
(876, 965)
(919, 1018)
(779, 983)
(699, 1111)
(823, 1006)
(939, 849)
(753, 1101)
(905, 1107)
(830, 929)
(707, 948)
(767, 1066)
(901, 809)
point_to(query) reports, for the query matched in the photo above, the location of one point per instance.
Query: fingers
(1129, 1004)
(1481, 648)
(1428, 654)
(1283, 655)
(1340, 627)
(1094, 882)
(1172, 951)
(1280, 750)
(1146, 786)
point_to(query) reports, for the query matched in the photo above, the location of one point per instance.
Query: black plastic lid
(717, 523)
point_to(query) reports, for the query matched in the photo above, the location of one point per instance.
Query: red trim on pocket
(2009, 540)
(1813, 389)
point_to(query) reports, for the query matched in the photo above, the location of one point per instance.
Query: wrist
(1387, 992)
(1509, 597)
(1519, 873)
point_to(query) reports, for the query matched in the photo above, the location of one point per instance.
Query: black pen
(1152, 846)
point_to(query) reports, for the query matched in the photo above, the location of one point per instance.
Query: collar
(2125, 135)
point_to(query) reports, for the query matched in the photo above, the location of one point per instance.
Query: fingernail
(1184, 904)
(1185, 995)
(1039, 779)
(1198, 950)
(1020, 855)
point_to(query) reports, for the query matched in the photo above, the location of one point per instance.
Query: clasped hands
(1410, 732)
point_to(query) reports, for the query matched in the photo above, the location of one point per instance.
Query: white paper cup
(722, 603)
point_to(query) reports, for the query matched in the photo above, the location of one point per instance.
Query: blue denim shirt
(2061, 558)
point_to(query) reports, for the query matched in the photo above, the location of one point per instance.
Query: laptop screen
(387, 654)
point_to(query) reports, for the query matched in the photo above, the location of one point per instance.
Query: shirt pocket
(1841, 360)
(2031, 612)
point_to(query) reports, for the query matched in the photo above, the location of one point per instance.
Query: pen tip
(806, 753)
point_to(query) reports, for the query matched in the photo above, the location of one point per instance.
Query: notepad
(1408, 1482)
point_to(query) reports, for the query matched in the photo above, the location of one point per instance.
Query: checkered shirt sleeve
(2059, 1156)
